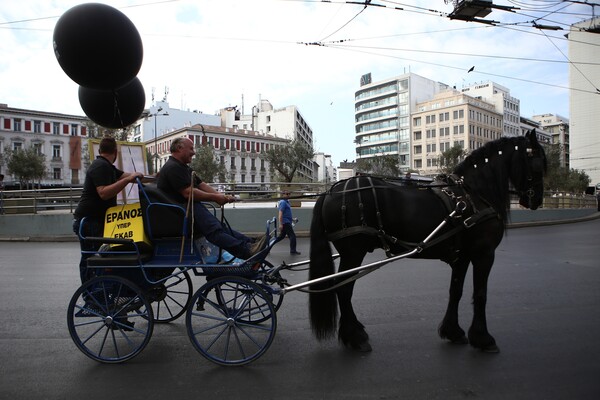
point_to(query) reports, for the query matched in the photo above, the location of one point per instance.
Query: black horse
(363, 213)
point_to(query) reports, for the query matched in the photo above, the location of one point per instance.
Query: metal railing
(45, 200)
(32, 201)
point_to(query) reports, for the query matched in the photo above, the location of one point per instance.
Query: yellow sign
(125, 222)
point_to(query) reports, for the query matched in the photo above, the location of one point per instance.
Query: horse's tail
(322, 306)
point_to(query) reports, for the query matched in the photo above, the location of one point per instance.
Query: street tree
(288, 158)
(450, 158)
(207, 166)
(386, 165)
(27, 165)
(560, 178)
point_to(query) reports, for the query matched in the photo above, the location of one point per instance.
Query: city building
(241, 151)
(584, 81)
(326, 172)
(161, 118)
(504, 103)
(558, 128)
(450, 118)
(382, 115)
(285, 122)
(542, 136)
(57, 136)
(346, 170)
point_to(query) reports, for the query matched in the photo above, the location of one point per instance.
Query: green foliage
(206, 165)
(450, 158)
(27, 165)
(562, 179)
(288, 158)
(383, 165)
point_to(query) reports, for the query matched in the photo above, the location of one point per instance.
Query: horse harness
(453, 194)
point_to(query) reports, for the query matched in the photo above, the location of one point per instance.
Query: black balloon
(114, 109)
(98, 46)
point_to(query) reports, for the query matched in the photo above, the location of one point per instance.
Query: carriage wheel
(171, 298)
(109, 319)
(221, 321)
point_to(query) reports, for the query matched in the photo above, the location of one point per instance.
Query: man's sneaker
(258, 245)
(295, 253)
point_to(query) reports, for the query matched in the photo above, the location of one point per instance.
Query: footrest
(116, 260)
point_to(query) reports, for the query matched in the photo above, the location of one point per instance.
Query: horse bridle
(534, 165)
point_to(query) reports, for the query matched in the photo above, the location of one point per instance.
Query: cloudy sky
(213, 53)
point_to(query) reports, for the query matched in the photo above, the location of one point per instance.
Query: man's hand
(134, 175)
(224, 199)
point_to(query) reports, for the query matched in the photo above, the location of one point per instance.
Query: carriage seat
(163, 217)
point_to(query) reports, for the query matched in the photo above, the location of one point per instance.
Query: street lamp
(155, 115)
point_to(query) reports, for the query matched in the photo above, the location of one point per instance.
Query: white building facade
(451, 118)
(505, 104)
(241, 151)
(285, 123)
(584, 106)
(161, 119)
(558, 128)
(382, 115)
(327, 173)
(60, 137)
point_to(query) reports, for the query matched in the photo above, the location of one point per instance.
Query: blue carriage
(230, 320)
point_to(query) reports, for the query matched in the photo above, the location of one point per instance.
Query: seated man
(175, 180)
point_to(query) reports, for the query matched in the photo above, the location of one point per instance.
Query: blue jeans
(228, 239)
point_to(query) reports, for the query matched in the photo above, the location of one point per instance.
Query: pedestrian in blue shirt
(285, 222)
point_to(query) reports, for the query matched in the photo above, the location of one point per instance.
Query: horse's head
(528, 170)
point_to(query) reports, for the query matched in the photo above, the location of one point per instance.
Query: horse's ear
(531, 136)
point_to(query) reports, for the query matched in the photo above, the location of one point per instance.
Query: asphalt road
(543, 309)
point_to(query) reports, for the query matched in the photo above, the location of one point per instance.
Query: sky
(209, 54)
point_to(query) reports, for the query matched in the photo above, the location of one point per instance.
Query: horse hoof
(492, 349)
(461, 340)
(362, 347)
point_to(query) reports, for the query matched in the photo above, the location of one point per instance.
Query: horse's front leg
(479, 337)
(450, 328)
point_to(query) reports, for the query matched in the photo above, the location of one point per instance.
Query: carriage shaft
(373, 265)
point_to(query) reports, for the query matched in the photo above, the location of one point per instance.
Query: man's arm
(205, 192)
(109, 191)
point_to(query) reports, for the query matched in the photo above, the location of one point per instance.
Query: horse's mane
(487, 175)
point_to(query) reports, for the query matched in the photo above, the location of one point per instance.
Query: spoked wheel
(221, 321)
(109, 319)
(171, 298)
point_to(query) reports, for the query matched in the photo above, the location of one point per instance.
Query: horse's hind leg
(351, 332)
(449, 327)
(479, 337)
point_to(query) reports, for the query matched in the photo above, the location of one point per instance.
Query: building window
(17, 125)
(418, 164)
(417, 135)
(56, 173)
(232, 164)
(37, 126)
(56, 128)
(418, 149)
(37, 148)
(17, 146)
(74, 129)
(417, 121)
(56, 152)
